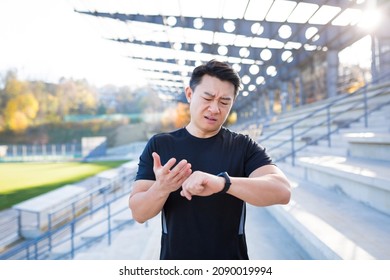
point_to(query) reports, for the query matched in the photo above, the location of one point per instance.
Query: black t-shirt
(211, 227)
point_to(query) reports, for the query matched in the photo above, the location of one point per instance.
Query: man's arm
(148, 197)
(267, 185)
(145, 200)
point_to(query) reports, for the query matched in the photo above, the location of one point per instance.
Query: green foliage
(24, 104)
(63, 132)
(35, 112)
(30, 104)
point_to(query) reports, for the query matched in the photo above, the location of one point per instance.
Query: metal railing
(64, 231)
(40, 152)
(64, 240)
(8, 224)
(67, 223)
(358, 101)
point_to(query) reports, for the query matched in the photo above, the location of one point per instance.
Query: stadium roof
(264, 40)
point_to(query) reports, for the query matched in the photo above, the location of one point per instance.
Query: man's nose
(214, 108)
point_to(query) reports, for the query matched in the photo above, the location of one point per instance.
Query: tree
(175, 116)
(182, 114)
(18, 105)
(77, 97)
(49, 103)
(21, 111)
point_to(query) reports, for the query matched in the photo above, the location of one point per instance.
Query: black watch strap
(227, 182)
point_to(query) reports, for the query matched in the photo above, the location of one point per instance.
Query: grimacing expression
(210, 103)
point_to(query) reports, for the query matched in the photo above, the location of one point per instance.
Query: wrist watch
(227, 182)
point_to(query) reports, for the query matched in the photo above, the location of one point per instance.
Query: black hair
(217, 69)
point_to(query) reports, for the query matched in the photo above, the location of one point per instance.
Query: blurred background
(84, 84)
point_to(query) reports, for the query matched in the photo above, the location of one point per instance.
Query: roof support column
(293, 94)
(384, 55)
(374, 58)
(381, 51)
(284, 96)
(271, 101)
(332, 75)
(302, 99)
(262, 106)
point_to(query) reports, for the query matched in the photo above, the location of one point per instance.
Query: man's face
(210, 105)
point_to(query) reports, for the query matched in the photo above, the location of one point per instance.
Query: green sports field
(21, 181)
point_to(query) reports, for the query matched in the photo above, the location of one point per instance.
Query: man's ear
(188, 92)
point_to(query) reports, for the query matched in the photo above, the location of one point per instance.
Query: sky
(46, 40)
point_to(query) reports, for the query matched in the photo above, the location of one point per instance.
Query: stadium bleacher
(340, 206)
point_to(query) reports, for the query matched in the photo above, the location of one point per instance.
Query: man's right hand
(170, 179)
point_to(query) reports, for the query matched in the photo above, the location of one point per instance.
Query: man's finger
(157, 163)
(170, 163)
(156, 160)
(186, 194)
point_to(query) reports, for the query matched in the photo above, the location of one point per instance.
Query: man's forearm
(145, 205)
(266, 190)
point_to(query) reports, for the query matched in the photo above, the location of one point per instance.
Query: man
(200, 177)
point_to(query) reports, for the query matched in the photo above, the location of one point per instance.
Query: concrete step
(308, 151)
(336, 141)
(339, 112)
(330, 225)
(138, 242)
(338, 148)
(373, 123)
(362, 144)
(325, 150)
(342, 138)
(362, 180)
(375, 146)
(370, 129)
(303, 130)
(280, 142)
(384, 112)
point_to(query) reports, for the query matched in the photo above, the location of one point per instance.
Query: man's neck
(199, 133)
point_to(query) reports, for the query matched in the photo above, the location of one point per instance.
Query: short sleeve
(145, 164)
(256, 156)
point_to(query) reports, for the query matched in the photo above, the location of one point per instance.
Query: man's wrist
(159, 191)
(227, 182)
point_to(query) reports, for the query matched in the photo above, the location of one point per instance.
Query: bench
(34, 212)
